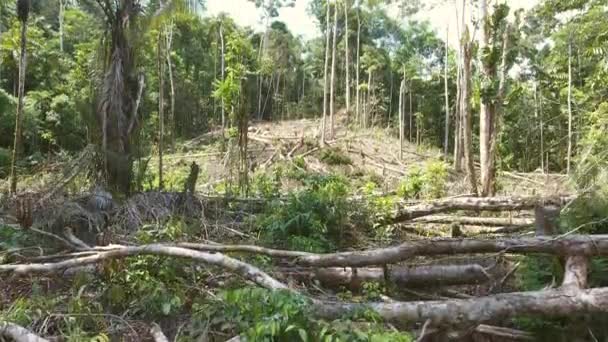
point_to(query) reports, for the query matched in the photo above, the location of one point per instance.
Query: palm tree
(23, 10)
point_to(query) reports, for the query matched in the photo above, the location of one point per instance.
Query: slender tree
(569, 156)
(327, 32)
(23, 10)
(347, 57)
(332, 105)
(357, 90)
(223, 73)
(465, 111)
(161, 106)
(447, 97)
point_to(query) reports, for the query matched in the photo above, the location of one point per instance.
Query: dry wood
(510, 334)
(476, 221)
(588, 245)
(238, 267)
(19, 333)
(476, 204)
(157, 333)
(412, 276)
(458, 312)
(244, 249)
(576, 270)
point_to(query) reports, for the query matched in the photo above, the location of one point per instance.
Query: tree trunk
(569, 156)
(447, 99)
(19, 116)
(486, 112)
(476, 221)
(401, 117)
(465, 112)
(346, 57)
(327, 32)
(169, 40)
(161, 109)
(472, 203)
(411, 114)
(223, 72)
(357, 91)
(332, 105)
(61, 20)
(572, 245)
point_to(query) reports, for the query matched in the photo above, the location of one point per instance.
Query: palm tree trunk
(332, 105)
(21, 94)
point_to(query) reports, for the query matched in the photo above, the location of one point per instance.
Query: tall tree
(346, 57)
(447, 97)
(357, 64)
(23, 10)
(327, 33)
(332, 105)
(569, 155)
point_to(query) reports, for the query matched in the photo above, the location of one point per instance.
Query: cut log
(238, 267)
(459, 312)
(475, 204)
(587, 245)
(576, 271)
(477, 221)
(19, 333)
(413, 276)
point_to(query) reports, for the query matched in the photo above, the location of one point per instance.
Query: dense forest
(169, 174)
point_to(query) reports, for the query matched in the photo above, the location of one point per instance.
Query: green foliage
(263, 315)
(335, 156)
(428, 183)
(537, 272)
(312, 219)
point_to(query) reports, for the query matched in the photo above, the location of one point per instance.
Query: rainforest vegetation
(412, 171)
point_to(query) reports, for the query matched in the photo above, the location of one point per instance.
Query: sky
(297, 19)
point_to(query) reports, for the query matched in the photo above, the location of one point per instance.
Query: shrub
(311, 219)
(335, 156)
(428, 183)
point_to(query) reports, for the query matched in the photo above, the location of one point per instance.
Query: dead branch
(587, 245)
(458, 312)
(474, 204)
(510, 334)
(238, 267)
(19, 333)
(476, 221)
(243, 249)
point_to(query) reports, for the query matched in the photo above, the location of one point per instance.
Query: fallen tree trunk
(458, 312)
(238, 267)
(477, 221)
(413, 276)
(587, 245)
(19, 333)
(243, 249)
(475, 204)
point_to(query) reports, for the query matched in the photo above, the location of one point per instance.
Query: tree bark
(243, 269)
(327, 32)
(169, 43)
(573, 245)
(332, 105)
(477, 221)
(157, 334)
(569, 156)
(474, 204)
(61, 20)
(411, 276)
(19, 116)
(223, 73)
(347, 57)
(447, 99)
(487, 111)
(357, 91)
(460, 312)
(161, 109)
(401, 118)
(18, 333)
(465, 112)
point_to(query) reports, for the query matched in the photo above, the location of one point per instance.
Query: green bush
(335, 156)
(311, 219)
(263, 315)
(428, 183)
